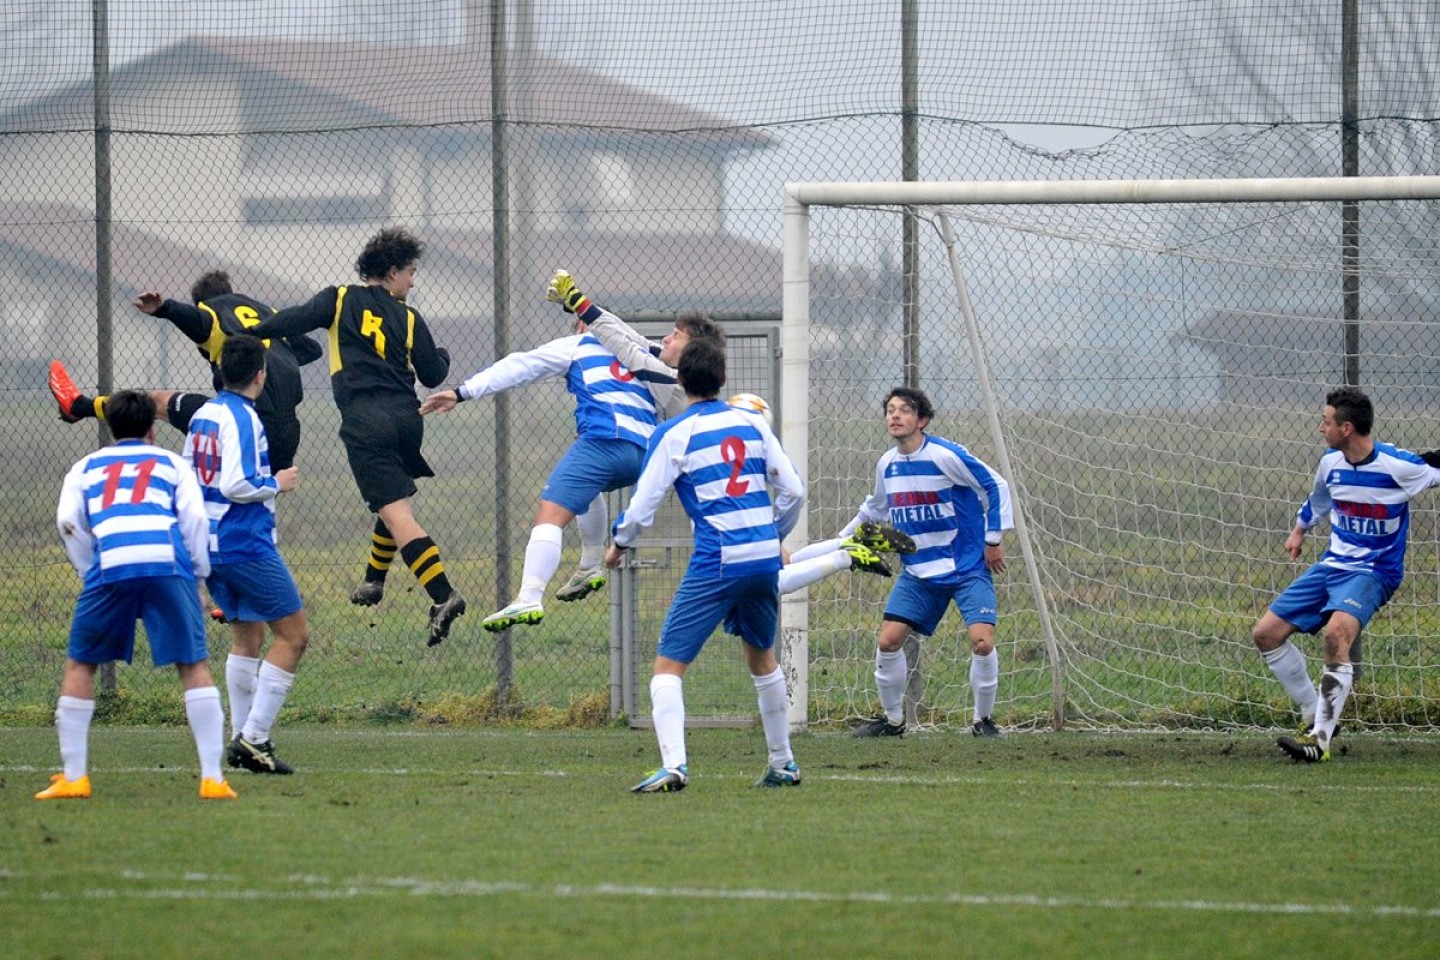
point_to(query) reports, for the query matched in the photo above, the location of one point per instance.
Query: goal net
(1147, 368)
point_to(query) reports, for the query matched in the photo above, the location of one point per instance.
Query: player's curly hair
(212, 283)
(700, 327)
(916, 400)
(393, 248)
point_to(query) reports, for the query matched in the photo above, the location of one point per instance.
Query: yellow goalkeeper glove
(562, 290)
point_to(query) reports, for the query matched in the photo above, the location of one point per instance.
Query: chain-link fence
(643, 146)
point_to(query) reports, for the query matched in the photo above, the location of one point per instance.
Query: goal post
(1163, 350)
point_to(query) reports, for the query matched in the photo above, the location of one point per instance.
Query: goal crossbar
(954, 192)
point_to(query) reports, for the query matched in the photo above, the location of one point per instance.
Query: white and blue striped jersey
(228, 451)
(1369, 508)
(721, 462)
(611, 403)
(947, 499)
(638, 353)
(133, 510)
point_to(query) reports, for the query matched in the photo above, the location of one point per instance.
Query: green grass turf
(508, 843)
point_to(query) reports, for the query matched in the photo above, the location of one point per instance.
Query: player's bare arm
(995, 557)
(1295, 542)
(288, 479)
(441, 401)
(148, 302)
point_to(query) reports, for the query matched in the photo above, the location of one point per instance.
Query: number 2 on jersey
(732, 451)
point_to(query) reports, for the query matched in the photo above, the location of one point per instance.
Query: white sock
(542, 559)
(1335, 685)
(667, 709)
(890, 675)
(207, 725)
(594, 525)
(984, 681)
(774, 699)
(819, 548)
(274, 687)
(72, 724)
(241, 679)
(798, 574)
(1288, 664)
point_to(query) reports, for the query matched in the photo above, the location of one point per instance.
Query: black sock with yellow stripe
(382, 553)
(83, 407)
(423, 558)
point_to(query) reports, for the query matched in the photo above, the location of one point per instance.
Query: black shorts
(282, 435)
(383, 447)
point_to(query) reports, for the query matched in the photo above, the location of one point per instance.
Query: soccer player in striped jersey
(614, 417)
(229, 452)
(1364, 487)
(379, 346)
(722, 463)
(635, 351)
(955, 507)
(133, 524)
(638, 353)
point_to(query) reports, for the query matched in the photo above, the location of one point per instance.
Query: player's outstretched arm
(148, 302)
(189, 319)
(441, 401)
(564, 291)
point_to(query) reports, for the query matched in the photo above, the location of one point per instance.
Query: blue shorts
(592, 467)
(105, 615)
(254, 591)
(1308, 602)
(921, 603)
(749, 606)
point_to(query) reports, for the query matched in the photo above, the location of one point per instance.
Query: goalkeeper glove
(562, 290)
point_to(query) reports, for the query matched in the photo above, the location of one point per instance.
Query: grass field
(405, 842)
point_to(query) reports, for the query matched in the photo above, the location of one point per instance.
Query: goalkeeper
(860, 551)
(634, 350)
(615, 413)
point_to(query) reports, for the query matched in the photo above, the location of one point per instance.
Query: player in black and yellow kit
(218, 313)
(379, 346)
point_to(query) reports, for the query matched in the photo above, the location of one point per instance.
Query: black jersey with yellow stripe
(211, 322)
(379, 345)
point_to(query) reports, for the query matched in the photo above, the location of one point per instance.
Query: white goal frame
(798, 198)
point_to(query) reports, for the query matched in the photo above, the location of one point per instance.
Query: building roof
(62, 237)
(300, 85)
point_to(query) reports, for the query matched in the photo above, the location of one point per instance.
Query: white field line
(135, 885)
(896, 779)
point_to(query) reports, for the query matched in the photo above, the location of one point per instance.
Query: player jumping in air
(379, 347)
(615, 414)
